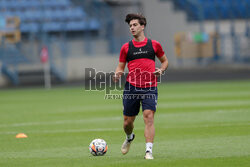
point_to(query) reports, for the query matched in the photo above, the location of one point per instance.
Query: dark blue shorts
(134, 97)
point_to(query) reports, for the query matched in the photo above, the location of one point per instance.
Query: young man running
(141, 86)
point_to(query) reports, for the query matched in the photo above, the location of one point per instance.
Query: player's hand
(117, 76)
(158, 72)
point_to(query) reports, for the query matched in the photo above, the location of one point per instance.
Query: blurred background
(203, 39)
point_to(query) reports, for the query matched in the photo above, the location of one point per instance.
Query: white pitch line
(84, 108)
(118, 118)
(120, 129)
(88, 120)
(162, 104)
(184, 148)
(68, 131)
(204, 104)
(203, 95)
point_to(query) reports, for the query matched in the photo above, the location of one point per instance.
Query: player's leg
(128, 125)
(149, 108)
(149, 132)
(131, 108)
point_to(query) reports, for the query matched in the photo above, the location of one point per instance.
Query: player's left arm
(161, 56)
(164, 65)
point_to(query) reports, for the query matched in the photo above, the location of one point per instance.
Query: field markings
(87, 120)
(192, 126)
(213, 147)
(225, 86)
(207, 115)
(120, 129)
(216, 103)
(161, 104)
(65, 131)
(203, 94)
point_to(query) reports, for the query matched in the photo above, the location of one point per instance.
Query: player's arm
(164, 65)
(119, 71)
(122, 63)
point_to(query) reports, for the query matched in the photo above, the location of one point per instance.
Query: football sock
(149, 147)
(129, 137)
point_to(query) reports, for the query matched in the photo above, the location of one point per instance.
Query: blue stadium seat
(76, 25)
(94, 24)
(48, 14)
(32, 3)
(55, 3)
(214, 9)
(78, 13)
(58, 14)
(33, 15)
(29, 27)
(53, 26)
(69, 14)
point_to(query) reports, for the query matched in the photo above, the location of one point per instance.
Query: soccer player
(141, 83)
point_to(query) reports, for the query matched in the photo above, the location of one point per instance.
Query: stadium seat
(52, 26)
(214, 9)
(94, 24)
(76, 25)
(29, 27)
(33, 13)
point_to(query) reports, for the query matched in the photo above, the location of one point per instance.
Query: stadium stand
(213, 9)
(48, 15)
(92, 27)
(213, 12)
(37, 18)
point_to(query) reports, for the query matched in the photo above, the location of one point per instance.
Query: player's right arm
(122, 63)
(119, 71)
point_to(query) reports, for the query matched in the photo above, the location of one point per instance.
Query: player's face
(135, 28)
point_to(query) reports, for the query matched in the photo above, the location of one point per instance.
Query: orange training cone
(21, 135)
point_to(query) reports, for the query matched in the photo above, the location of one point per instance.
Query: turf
(197, 124)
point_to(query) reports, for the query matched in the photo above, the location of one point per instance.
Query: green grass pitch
(203, 124)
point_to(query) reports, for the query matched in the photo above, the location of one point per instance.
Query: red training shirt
(141, 70)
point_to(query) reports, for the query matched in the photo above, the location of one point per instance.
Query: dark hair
(133, 16)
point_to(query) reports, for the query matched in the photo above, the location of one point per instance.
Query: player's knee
(149, 121)
(148, 114)
(149, 118)
(128, 122)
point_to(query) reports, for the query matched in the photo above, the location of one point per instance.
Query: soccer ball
(98, 147)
